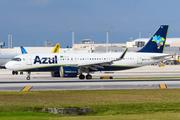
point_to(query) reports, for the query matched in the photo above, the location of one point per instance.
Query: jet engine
(68, 71)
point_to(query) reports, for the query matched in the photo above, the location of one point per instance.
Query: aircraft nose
(8, 65)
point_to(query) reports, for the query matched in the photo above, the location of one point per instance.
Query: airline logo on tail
(159, 40)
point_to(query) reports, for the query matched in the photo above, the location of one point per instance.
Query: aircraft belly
(115, 68)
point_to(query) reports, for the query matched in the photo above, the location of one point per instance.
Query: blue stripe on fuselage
(115, 68)
(56, 68)
(45, 69)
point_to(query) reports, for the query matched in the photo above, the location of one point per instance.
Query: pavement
(42, 81)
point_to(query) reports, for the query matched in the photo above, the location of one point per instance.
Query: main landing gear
(28, 76)
(88, 76)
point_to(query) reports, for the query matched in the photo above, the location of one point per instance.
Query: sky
(32, 22)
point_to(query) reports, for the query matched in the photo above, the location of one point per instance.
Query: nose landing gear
(28, 76)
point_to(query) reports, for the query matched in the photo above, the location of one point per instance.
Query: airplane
(6, 57)
(74, 64)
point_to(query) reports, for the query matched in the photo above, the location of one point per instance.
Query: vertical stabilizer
(23, 50)
(157, 42)
(56, 48)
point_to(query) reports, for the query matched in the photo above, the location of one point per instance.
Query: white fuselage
(37, 62)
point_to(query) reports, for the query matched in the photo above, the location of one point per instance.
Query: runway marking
(162, 86)
(26, 88)
(106, 77)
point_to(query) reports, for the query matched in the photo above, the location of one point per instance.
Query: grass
(153, 116)
(106, 104)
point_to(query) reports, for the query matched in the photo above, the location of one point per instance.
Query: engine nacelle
(68, 71)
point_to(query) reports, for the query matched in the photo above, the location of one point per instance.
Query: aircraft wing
(94, 65)
(160, 57)
(100, 64)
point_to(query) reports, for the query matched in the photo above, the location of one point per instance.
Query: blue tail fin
(23, 50)
(157, 42)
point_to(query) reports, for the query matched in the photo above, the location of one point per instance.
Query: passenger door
(29, 60)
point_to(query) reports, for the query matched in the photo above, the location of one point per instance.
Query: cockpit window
(16, 59)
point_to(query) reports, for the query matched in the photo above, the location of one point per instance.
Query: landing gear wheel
(88, 76)
(21, 73)
(13, 72)
(28, 78)
(81, 76)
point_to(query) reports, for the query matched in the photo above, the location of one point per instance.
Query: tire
(81, 76)
(28, 78)
(88, 76)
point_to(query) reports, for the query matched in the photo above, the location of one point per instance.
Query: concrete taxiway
(43, 81)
